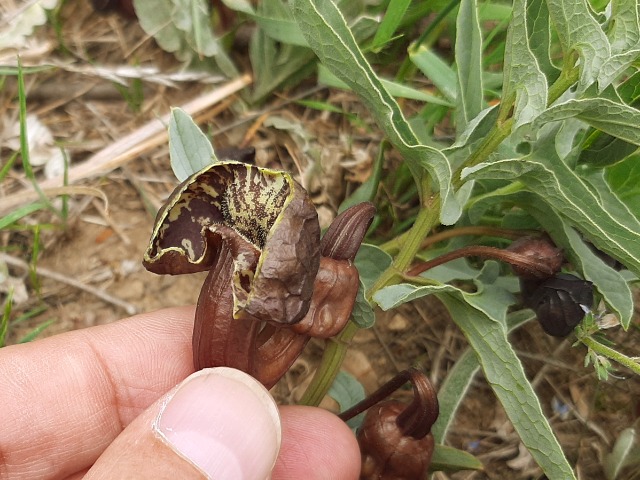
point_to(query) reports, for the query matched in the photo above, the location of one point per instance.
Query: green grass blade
(469, 99)
(390, 23)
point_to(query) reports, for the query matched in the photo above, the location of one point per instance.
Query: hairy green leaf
(622, 454)
(625, 40)
(449, 459)
(347, 391)
(459, 378)
(505, 374)
(543, 173)
(539, 33)
(614, 118)
(523, 79)
(624, 179)
(579, 32)
(189, 149)
(330, 38)
(395, 89)
(502, 368)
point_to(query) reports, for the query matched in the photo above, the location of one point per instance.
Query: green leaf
(468, 49)
(523, 79)
(539, 33)
(390, 23)
(371, 261)
(621, 455)
(449, 459)
(182, 27)
(21, 212)
(579, 32)
(329, 37)
(616, 119)
(362, 314)
(490, 298)
(505, 374)
(616, 233)
(274, 63)
(603, 150)
(33, 334)
(459, 378)
(625, 40)
(436, 70)
(624, 179)
(189, 149)
(395, 89)
(274, 19)
(347, 391)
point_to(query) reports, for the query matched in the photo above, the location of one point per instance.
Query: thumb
(218, 423)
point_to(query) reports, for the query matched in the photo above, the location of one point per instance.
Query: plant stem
(605, 351)
(476, 230)
(532, 265)
(332, 358)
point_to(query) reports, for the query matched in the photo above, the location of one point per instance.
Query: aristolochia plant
(563, 117)
(552, 161)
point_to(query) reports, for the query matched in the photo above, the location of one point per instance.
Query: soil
(103, 249)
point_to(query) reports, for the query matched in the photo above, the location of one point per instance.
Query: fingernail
(224, 422)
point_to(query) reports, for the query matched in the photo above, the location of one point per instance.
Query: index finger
(66, 398)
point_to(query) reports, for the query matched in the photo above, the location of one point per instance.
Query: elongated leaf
(274, 63)
(436, 70)
(505, 374)
(347, 391)
(539, 33)
(190, 150)
(502, 368)
(625, 40)
(622, 452)
(23, 211)
(390, 23)
(395, 89)
(624, 179)
(578, 31)
(459, 378)
(523, 78)
(543, 173)
(449, 459)
(616, 119)
(326, 31)
(470, 99)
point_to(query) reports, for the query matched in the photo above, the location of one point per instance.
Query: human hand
(103, 402)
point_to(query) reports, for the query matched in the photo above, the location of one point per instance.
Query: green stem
(332, 358)
(605, 351)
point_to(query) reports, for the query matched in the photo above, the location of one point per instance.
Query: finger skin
(65, 399)
(316, 446)
(69, 396)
